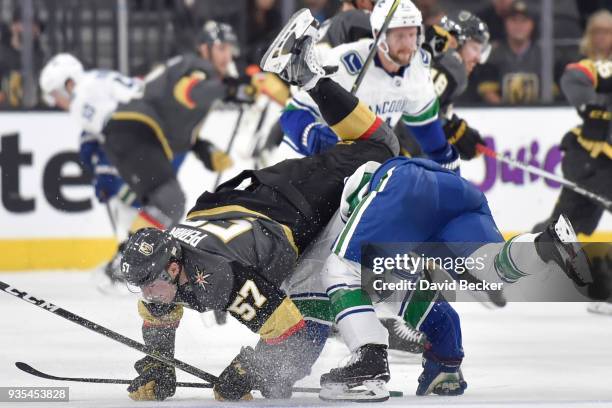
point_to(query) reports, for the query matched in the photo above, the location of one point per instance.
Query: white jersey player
(397, 86)
(90, 96)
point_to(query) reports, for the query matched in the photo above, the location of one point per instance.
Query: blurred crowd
(511, 75)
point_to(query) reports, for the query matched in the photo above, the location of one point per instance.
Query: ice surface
(525, 355)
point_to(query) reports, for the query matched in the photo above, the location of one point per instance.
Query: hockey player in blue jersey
(416, 201)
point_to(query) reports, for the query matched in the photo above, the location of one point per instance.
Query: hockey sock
(442, 327)
(356, 319)
(349, 118)
(518, 258)
(145, 219)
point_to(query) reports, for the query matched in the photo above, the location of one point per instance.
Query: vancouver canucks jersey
(407, 95)
(97, 95)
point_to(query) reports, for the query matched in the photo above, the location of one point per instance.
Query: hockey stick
(230, 144)
(548, 175)
(31, 370)
(88, 324)
(111, 217)
(374, 49)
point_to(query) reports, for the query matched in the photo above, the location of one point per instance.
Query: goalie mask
(466, 26)
(406, 15)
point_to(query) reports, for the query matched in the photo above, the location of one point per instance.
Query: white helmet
(406, 15)
(56, 72)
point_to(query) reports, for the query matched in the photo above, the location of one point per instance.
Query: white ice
(527, 355)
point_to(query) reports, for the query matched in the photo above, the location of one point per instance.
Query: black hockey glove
(596, 122)
(238, 379)
(437, 40)
(156, 380)
(213, 158)
(239, 90)
(463, 137)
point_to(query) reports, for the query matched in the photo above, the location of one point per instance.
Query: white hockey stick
(548, 175)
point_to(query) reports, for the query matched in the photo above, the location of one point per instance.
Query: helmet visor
(486, 52)
(159, 291)
(162, 289)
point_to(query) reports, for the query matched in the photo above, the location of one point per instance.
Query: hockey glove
(156, 381)
(463, 137)
(437, 40)
(213, 158)
(104, 176)
(107, 186)
(272, 86)
(304, 134)
(237, 380)
(596, 122)
(239, 91)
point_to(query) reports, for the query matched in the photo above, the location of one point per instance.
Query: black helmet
(213, 32)
(146, 255)
(466, 26)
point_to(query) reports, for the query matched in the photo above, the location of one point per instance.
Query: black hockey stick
(31, 370)
(374, 49)
(49, 307)
(229, 145)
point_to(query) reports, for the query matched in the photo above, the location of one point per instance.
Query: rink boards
(49, 218)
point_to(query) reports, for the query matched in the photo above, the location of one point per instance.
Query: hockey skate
(292, 55)
(403, 338)
(559, 244)
(441, 378)
(368, 368)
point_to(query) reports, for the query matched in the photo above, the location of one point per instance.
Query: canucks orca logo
(352, 61)
(425, 56)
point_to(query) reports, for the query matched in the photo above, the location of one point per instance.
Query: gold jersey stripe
(281, 322)
(149, 121)
(356, 123)
(240, 209)
(595, 148)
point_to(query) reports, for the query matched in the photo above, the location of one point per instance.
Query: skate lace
(407, 333)
(311, 59)
(350, 359)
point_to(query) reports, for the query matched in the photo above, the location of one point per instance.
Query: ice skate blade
(375, 391)
(278, 55)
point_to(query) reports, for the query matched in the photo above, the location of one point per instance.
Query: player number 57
(243, 309)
